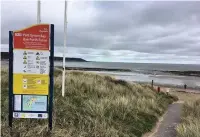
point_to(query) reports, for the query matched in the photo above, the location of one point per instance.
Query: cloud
(171, 12)
(115, 31)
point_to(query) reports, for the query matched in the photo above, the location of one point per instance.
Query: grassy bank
(185, 96)
(190, 125)
(93, 106)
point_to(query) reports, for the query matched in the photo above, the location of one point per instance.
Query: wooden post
(152, 84)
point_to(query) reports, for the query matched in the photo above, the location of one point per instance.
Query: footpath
(167, 124)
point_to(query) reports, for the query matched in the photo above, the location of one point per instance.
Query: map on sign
(34, 103)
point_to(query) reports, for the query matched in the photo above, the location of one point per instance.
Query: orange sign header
(34, 37)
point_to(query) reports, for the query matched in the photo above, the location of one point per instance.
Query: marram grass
(93, 106)
(190, 125)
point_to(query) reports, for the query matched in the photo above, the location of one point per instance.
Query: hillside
(94, 105)
(5, 56)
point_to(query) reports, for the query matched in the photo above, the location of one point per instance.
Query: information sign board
(31, 72)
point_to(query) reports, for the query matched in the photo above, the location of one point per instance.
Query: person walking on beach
(185, 86)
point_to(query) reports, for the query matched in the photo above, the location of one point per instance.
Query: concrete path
(170, 120)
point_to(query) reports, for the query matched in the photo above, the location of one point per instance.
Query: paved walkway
(170, 120)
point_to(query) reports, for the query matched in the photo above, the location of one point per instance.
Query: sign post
(64, 48)
(31, 67)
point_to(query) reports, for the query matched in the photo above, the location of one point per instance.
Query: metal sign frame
(51, 80)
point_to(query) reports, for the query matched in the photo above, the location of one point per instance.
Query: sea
(144, 72)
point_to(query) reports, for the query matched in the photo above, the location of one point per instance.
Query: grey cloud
(164, 13)
(131, 28)
(10, 26)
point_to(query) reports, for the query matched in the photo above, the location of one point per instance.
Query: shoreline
(178, 88)
(177, 73)
(5, 64)
(169, 72)
(169, 85)
(96, 69)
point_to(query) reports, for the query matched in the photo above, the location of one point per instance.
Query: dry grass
(93, 106)
(190, 125)
(190, 119)
(183, 96)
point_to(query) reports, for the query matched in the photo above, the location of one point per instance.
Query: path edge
(156, 127)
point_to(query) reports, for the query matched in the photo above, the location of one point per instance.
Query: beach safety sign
(31, 52)
(31, 71)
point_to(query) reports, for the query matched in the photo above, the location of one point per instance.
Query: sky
(114, 31)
